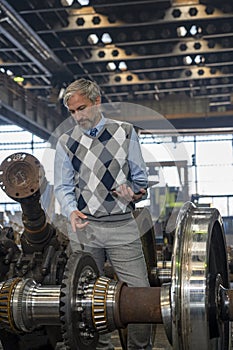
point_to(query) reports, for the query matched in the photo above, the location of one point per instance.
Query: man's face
(84, 111)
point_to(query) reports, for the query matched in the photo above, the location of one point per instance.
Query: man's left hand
(124, 192)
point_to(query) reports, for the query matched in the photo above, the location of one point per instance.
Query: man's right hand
(76, 220)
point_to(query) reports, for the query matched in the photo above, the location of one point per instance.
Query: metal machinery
(49, 294)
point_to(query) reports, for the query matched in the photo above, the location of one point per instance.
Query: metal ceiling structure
(173, 56)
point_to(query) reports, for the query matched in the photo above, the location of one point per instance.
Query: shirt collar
(99, 125)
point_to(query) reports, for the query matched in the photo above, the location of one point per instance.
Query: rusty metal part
(21, 175)
(140, 305)
(33, 217)
(23, 179)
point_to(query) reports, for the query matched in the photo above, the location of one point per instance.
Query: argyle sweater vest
(100, 165)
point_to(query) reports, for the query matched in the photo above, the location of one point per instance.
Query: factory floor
(160, 339)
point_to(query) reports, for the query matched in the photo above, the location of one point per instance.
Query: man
(99, 175)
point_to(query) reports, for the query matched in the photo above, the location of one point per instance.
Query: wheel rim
(199, 265)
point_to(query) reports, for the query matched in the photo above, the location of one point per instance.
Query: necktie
(93, 132)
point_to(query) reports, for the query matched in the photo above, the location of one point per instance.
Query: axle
(193, 301)
(101, 304)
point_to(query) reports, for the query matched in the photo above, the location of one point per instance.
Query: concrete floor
(160, 339)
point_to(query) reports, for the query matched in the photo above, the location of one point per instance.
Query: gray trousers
(120, 243)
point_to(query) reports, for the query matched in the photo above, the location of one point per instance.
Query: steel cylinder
(25, 305)
(35, 305)
(42, 305)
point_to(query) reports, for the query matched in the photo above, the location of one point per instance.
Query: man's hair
(85, 87)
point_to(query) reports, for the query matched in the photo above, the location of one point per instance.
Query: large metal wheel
(199, 266)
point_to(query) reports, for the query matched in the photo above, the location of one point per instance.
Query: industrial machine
(40, 253)
(51, 298)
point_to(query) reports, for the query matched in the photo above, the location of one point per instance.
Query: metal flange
(21, 175)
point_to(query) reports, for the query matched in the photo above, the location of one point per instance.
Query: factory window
(203, 166)
(14, 139)
(209, 166)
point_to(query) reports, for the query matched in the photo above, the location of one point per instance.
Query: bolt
(85, 334)
(80, 292)
(82, 325)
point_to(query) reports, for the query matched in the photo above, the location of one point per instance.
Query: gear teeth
(70, 320)
(6, 317)
(64, 306)
(99, 305)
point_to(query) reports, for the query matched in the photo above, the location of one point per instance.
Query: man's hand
(76, 219)
(125, 193)
(138, 196)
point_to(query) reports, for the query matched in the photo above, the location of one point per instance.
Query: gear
(80, 273)
(6, 318)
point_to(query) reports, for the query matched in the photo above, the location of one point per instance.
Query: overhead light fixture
(18, 79)
(195, 30)
(188, 60)
(111, 66)
(93, 39)
(83, 2)
(61, 93)
(199, 59)
(67, 2)
(123, 66)
(9, 72)
(181, 31)
(106, 38)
